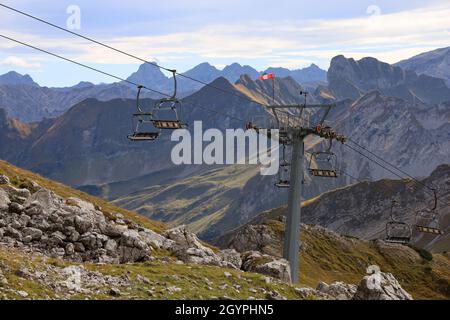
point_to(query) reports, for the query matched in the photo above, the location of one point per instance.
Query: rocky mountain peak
(204, 72)
(349, 78)
(233, 71)
(14, 78)
(149, 75)
(434, 63)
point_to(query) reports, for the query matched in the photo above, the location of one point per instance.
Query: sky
(181, 34)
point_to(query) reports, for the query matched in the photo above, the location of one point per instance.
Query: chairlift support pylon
(293, 129)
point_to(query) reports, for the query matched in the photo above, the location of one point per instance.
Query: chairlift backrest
(397, 231)
(142, 123)
(325, 164)
(284, 172)
(166, 112)
(428, 220)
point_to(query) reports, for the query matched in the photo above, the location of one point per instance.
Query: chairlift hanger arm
(394, 202)
(138, 107)
(435, 199)
(174, 73)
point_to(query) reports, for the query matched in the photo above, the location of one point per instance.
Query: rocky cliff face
(35, 219)
(46, 240)
(411, 136)
(389, 271)
(434, 63)
(362, 210)
(348, 78)
(311, 74)
(31, 103)
(97, 150)
(14, 78)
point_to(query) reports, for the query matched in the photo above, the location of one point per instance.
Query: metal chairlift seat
(397, 231)
(284, 172)
(428, 220)
(143, 118)
(284, 136)
(326, 162)
(143, 136)
(166, 111)
(165, 114)
(284, 176)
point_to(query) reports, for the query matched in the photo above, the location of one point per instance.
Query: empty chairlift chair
(428, 220)
(397, 231)
(325, 164)
(143, 127)
(166, 113)
(284, 173)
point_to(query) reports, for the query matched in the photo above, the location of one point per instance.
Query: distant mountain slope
(14, 78)
(107, 164)
(329, 256)
(24, 99)
(434, 63)
(88, 144)
(150, 76)
(233, 72)
(348, 78)
(33, 103)
(311, 74)
(287, 90)
(362, 210)
(413, 137)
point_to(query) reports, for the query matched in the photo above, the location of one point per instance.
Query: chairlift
(397, 231)
(284, 137)
(428, 220)
(165, 115)
(284, 173)
(142, 118)
(326, 164)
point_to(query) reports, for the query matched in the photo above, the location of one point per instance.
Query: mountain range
(348, 78)
(434, 63)
(401, 116)
(361, 210)
(24, 99)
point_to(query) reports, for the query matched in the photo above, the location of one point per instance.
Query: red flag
(267, 76)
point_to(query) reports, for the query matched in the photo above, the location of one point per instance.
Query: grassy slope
(196, 201)
(190, 278)
(330, 259)
(20, 177)
(326, 259)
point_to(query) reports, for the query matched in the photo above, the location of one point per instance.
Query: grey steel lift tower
(293, 129)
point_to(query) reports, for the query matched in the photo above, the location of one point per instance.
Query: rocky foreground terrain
(57, 243)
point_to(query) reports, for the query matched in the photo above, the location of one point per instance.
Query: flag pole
(273, 89)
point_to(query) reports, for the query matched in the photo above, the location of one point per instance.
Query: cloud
(290, 43)
(17, 62)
